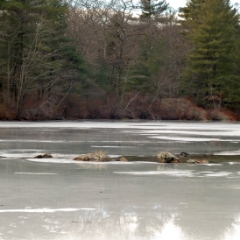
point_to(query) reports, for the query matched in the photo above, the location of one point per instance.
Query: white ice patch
(212, 164)
(102, 163)
(67, 141)
(16, 155)
(186, 173)
(221, 128)
(187, 132)
(44, 210)
(26, 153)
(34, 173)
(64, 161)
(232, 153)
(135, 142)
(233, 163)
(187, 139)
(145, 162)
(218, 174)
(51, 160)
(114, 156)
(206, 172)
(38, 140)
(97, 146)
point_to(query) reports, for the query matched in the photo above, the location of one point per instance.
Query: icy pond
(59, 198)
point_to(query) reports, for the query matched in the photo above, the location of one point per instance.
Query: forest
(119, 59)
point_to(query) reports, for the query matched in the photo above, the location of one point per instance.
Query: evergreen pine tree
(35, 55)
(149, 65)
(212, 28)
(152, 8)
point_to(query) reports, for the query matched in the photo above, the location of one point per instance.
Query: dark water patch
(209, 157)
(213, 158)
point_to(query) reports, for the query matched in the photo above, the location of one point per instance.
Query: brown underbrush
(222, 115)
(6, 113)
(131, 106)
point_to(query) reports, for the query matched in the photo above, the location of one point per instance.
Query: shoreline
(142, 108)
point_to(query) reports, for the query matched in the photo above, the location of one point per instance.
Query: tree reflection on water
(100, 225)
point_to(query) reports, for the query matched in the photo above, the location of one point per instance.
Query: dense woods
(119, 59)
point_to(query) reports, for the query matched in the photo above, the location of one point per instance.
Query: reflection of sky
(170, 230)
(129, 225)
(233, 233)
(181, 3)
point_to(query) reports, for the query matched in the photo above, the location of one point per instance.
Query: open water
(60, 198)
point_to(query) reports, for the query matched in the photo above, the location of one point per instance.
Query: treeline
(117, 59)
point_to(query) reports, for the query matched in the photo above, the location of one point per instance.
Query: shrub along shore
(131, 107)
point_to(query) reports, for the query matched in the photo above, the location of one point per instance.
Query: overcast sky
(181, 3)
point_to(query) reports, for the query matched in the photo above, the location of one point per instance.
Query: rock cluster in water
(98, 156)
(167, 157)
(101, 156)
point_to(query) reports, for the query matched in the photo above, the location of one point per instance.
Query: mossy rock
(167, 157)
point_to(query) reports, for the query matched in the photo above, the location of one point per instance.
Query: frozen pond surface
(62, 199)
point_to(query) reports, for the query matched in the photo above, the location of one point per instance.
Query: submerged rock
(123, 159)
(45, 155)
(167, 157)
(85, 157)
(197, 161)
(100, 156)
